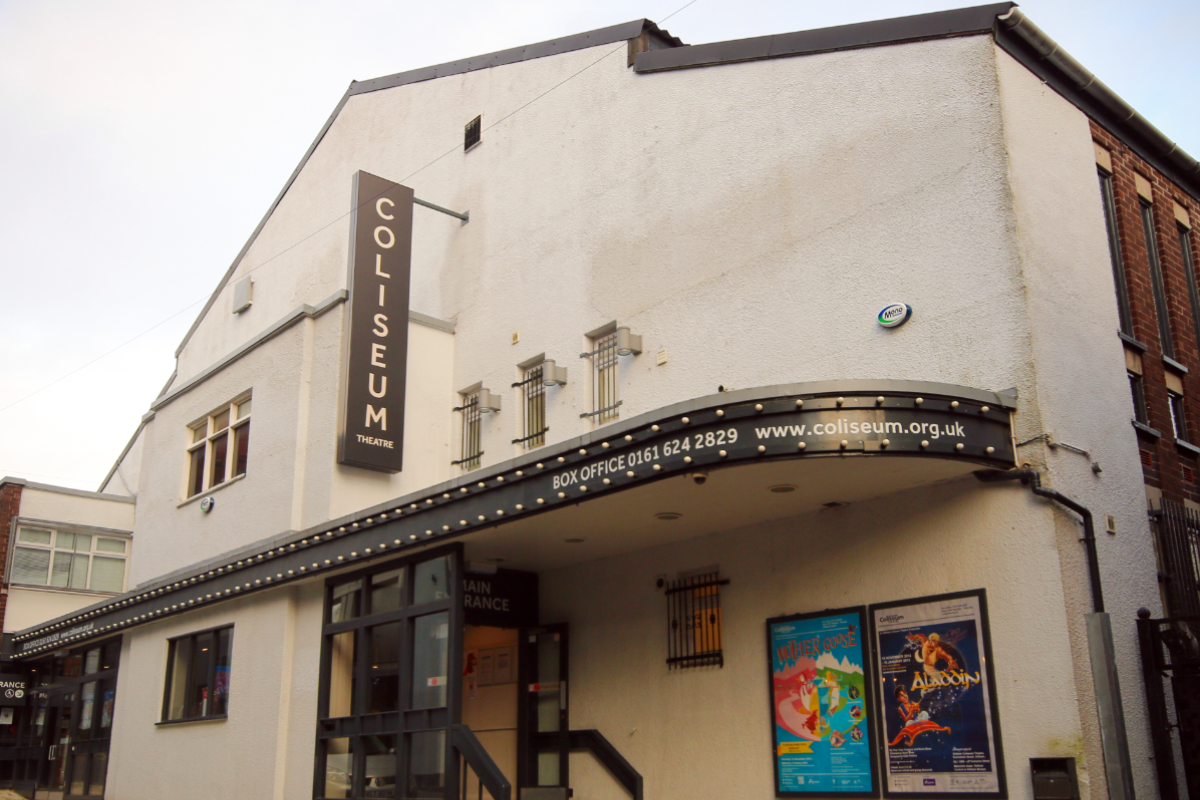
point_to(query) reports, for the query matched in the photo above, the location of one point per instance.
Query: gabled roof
(1010, 28)
(656, 38)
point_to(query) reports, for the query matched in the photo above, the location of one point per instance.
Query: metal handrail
(594, 742)
(467, 745)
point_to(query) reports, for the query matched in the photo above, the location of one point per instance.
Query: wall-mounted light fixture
(552, 374)
(488, 402)
(628, 344)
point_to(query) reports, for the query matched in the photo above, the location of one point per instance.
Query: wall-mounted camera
(698, 478)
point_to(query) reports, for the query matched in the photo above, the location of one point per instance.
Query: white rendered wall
(264, 750)
(700, 733)
(292, 479)
(1082, 393)
(749, 218)
(52, 506)
(27, 607)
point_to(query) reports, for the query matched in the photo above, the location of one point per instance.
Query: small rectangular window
(1114, 252)
(1157, 285)
(534, 390)
(1178, 420)
(74, 560)
(605, 402)
(219, 447)
(472, 133)
(198, 672)
(471, 446)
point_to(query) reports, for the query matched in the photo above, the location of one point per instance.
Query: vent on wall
(1147, 459)
(472, 133)
(1189, 475)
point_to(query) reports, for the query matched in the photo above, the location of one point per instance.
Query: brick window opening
(1178, 420)
(1114, 252)
(1189, 270)
(534, 405)
(1138, 389)
(1157, 286)
(472, 133)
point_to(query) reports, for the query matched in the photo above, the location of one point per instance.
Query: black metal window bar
(472, 426)
(535, 408)
(604, 378)
(472, 133)
(1178, 534)
(694, 621)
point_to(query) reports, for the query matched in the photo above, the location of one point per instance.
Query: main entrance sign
(375, 340)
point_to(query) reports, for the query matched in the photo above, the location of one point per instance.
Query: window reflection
(426, 764)
(345, 601)
(431, 581)
(429, 660)
(385, 667)
(339, 768)
(341, 675)
(387, 590)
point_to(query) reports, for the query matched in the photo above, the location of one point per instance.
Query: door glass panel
(431, 581)
(384, 646)
(379, 773)
(61, 741)
(549, 693)
(426, 764)
(91, 662)
(547, 768)
(341, 676)
(430, 656)
(387, 591)
(339, 767)
(78, 771)
(99, 772)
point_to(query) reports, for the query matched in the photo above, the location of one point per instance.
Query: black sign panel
(375, 340)
(507, 599)
(12, 690)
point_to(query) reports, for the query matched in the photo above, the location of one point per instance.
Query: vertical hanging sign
(375, 338)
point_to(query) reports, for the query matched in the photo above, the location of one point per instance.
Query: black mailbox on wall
(1054, 779)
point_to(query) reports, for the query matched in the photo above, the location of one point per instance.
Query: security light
(488, 402)
(627, 343)
(553, 375)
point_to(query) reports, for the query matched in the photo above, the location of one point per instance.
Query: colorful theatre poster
(820, 709)
(937, 698)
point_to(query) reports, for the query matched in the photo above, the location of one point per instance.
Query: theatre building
(611, 417)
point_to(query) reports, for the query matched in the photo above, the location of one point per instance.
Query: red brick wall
(10, 506)
(1173, 469)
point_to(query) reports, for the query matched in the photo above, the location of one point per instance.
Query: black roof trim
(941, 24)
(566, 44)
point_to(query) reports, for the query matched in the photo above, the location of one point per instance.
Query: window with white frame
(218, 446)
(69, 559)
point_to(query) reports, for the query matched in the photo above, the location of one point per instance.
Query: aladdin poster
(819, 705)
(940, 732)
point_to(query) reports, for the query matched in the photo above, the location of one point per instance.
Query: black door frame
(529, 740)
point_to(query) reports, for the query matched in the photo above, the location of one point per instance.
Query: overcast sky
(141, 142)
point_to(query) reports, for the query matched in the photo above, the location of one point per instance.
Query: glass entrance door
(62, 709)
(545, 721)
